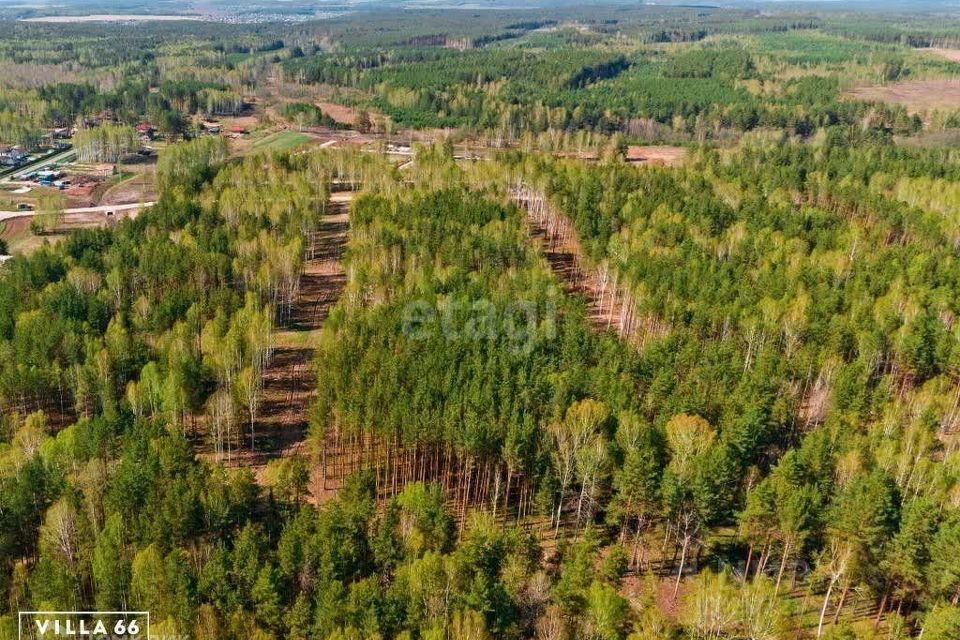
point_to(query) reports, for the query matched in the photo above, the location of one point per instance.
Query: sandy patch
(660, 155)
(340, 113)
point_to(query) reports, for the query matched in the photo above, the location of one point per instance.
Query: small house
(146, 131)
(12, 156)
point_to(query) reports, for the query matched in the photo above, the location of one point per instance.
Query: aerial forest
(625, 323)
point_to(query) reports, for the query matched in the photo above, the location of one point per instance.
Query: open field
(22, 240)
(247, 122)
(656, 155)
(916, 95)
(12, 194)
(280, 141)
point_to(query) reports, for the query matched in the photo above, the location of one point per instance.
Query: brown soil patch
(16, 233)
(140, 188)
(916, 95)
(658, 155)
(244, 122)
(82, 192)
(340, 113)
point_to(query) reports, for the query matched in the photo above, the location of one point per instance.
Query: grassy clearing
(280, 141)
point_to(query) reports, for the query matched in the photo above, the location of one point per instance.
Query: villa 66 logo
(84, 625)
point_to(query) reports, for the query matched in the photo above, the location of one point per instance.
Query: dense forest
(654, 73)
(553, 389)
(795, 408)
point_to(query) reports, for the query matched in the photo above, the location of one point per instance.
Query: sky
(78, 7)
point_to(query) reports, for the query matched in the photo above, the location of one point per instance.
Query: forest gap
(289, 383)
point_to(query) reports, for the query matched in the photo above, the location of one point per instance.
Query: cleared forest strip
(611, 305)
(289, 381)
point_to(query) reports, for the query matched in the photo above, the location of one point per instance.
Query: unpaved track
(608, 307)
(107, 208)
(289, 382)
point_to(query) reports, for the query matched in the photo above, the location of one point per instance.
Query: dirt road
(107, 209)
(610, 304)
(289, 382)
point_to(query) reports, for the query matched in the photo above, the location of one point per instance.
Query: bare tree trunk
(843, 598)
(883, 606)
(826, 601)
(783, 565)
(683, 558)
